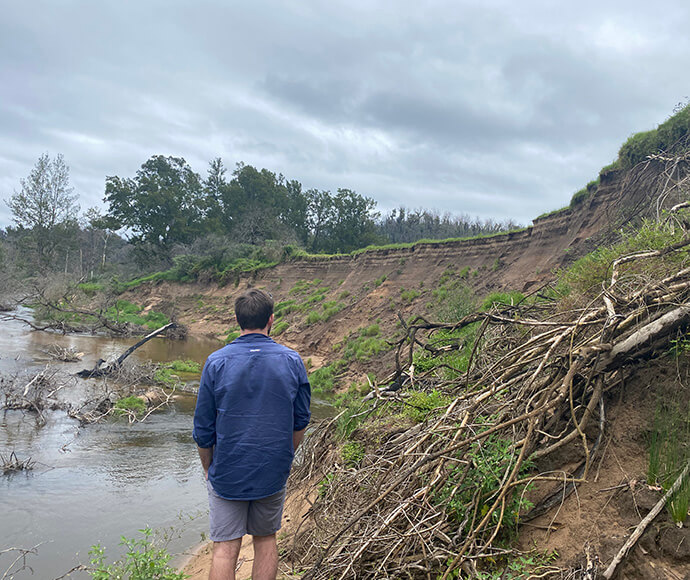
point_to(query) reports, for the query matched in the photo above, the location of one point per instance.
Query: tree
(161, 206)
(342, 222)
(215, 186)
(46, 209)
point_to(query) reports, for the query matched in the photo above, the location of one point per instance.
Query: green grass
(552, 213)
(232, 334)
(184, 366)
(131, 404)
(586, 275)
(189, 268)
(453, 363)
(364, 344)
(279, 327)
(325, 379)
(90, 288)
(127, 312)
(284, 308)
(501, 299)
(420, 404)
(352, 453)
(669, 451)
(313, 317)
(409, 295)
(666, 137)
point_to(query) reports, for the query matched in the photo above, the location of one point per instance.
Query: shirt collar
(254, 337)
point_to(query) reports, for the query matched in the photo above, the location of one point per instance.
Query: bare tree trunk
(106, 367)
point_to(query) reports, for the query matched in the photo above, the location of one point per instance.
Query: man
(251, 414)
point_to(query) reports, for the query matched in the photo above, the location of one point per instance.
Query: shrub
(313, 317)
(324, 380)
(352, 453)
(420, 404)
(489, 460)
(142, 561)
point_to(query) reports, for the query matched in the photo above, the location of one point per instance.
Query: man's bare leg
(224, 559)
(265, 565)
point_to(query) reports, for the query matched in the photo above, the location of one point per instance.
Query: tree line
(167, 209)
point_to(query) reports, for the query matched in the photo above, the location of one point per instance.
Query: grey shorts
(232, 519)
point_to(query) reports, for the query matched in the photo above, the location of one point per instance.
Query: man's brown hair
(253, 308)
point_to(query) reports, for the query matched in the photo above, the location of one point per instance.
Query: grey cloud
(501, 109)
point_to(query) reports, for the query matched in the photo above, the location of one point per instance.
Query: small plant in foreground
(143, 561)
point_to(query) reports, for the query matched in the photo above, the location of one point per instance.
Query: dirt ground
(602, 513)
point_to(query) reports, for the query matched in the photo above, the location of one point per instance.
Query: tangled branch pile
(441, 498)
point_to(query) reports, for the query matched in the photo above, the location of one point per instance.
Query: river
(96, 483)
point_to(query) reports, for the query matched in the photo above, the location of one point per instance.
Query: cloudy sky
(496, 108)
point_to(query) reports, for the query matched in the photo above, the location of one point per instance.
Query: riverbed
(96, 483)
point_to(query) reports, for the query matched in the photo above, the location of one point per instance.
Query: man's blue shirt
(254, 393)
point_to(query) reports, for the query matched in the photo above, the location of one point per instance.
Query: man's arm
(205, 419)
(206, 456)
(297, 437)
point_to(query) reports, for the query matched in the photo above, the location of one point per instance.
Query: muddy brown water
(93, 484)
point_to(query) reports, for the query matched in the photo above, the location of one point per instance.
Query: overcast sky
(495, 109)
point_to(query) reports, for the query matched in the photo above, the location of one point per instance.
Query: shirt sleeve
(302, 414)
(205, 413)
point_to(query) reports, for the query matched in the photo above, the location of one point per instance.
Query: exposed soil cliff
(378, 285)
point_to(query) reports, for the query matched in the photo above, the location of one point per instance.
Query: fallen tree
(434, 499)
(108, 367)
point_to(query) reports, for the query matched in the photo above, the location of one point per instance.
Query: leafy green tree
(215, 186)
(342, 222)
(354, 226)
(320, 216)
(255, 204)
(161, 206)
(45, 209)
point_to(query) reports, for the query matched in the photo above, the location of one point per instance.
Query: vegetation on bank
(68, 310)
(144, 559)
(447, 368)
(670, 138)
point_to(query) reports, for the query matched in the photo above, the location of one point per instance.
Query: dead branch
(642, 526)
(104, 368)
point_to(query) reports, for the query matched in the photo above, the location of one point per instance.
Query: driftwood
(12, 463)
(421, 503)
(108, 367)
